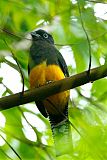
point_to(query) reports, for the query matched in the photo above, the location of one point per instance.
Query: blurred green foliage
(70, 22)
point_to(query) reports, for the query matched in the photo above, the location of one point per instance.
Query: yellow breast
(40, 75)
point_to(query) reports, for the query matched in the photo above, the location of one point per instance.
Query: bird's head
(42, 35)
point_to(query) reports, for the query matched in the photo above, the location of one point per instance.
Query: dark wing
(62, 64)
(28, 69)
(41, 108)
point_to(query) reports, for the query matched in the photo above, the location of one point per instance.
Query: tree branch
(53, 88)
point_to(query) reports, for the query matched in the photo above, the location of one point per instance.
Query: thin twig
(9, 91)
(34, 129)
(12, 34)
(25, 141)
(21, 73)
(11, 147)
(5, 154)
(88, 40)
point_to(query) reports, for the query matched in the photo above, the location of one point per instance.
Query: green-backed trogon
(46, 64)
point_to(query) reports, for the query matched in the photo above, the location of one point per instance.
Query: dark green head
(42, 35)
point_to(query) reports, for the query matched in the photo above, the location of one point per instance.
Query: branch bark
(53, 88)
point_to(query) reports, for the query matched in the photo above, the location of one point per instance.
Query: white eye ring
(45, 35)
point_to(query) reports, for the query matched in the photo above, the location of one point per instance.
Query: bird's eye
(45, 35)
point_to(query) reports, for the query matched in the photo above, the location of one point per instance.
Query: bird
(46, 65)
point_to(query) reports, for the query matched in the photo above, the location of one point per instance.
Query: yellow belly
(40, 75)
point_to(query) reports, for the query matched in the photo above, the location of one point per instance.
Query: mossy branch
(53, 88)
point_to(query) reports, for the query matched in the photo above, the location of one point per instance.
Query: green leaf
(1, 79)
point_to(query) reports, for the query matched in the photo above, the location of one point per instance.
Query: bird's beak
(34, 34)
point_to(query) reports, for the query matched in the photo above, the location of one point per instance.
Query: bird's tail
(61, 129)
